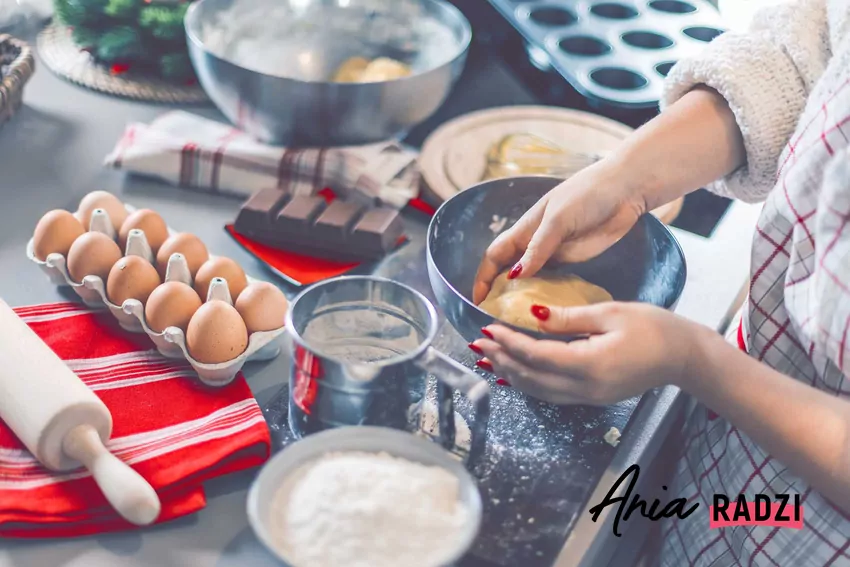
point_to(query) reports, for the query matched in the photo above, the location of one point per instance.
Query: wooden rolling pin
(61, 421)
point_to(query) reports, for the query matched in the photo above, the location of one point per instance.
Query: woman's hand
(575, 221)
(630, 348)
(693, 142)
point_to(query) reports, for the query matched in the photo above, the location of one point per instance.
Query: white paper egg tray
(613, 51)
(131, 314)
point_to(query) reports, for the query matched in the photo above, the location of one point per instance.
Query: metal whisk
(528, 154)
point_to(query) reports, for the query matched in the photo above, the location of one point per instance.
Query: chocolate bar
(309, 225)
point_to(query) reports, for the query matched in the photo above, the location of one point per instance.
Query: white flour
(368, 510)
(498, 224)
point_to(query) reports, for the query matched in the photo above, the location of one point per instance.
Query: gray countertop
(51, 155)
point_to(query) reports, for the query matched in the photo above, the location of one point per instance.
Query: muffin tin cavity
(584, 46)
(646, 40)
(613, 11)
(663, 69)
(551, 17)
(615, 52)
(619, 79)
(702, 33)
(672, 6)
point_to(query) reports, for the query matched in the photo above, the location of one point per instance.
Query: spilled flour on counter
(612, 437)
(368, 510)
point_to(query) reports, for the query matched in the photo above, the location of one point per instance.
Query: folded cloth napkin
(172, 430)
(188, 150)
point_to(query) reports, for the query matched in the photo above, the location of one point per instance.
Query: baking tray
(613, 52)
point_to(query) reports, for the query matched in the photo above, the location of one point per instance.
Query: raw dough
(361, 70)
(511, 300)
(350, 70)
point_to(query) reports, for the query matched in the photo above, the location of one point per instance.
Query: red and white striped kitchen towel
(191, 151)
(175, 432)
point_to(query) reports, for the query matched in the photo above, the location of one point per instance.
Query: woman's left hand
(630, 348)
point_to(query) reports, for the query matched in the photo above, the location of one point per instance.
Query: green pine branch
(176, 66)
(121, 44)
(122, 9)
(149, 36)
(163, 22)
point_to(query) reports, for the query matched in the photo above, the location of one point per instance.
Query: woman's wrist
(693, 142)
(614, 172)
(706, 352)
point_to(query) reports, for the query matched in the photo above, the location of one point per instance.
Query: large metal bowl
(284, 95)
(646, 265)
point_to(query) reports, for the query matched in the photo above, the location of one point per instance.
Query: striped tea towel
(173, 431)
(188, 150)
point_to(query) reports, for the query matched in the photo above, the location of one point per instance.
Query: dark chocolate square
(379, 229)
(299, 213)
(337, 221)
(259, 211)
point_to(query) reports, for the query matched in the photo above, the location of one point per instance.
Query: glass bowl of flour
(365, 497)
(273, 66)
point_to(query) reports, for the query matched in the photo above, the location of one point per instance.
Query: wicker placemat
(16, 67)
(62, 56)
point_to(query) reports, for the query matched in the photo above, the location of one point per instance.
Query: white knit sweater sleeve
(765, 75)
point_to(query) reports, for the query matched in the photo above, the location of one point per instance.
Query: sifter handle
(124, 488)
(454, 377)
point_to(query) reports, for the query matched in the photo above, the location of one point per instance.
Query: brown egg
(92, 254)
(184, 243)
(262, 306)
(55, 232)
(132, 277)
(171, 305)
(220, 267)
(102, 200)
(216, 333)
(148, 222)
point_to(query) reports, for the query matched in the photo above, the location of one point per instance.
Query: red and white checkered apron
(796, 320)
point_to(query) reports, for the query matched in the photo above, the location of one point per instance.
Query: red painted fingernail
(484, 365)
(476, 349)
(540, 311)
(486, 333)
(503, 382)
(515, 271)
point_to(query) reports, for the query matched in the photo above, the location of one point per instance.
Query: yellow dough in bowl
(361, 70)
(511, 300)
(350, 70)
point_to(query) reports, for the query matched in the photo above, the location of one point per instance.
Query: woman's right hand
(575, 221)
(693, 142)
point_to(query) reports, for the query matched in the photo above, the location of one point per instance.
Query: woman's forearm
(693, 142)
(806, 429)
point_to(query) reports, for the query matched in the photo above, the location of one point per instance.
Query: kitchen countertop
(51, 155)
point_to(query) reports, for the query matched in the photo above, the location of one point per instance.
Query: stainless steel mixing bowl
(646, 265)
(267, 65)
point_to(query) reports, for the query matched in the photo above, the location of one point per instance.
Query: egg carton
(171, 343)
(613, 51)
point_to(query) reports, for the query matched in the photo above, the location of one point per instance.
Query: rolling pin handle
(124, 488)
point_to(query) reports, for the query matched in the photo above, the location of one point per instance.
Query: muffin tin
(613, 51)
(171, 342)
